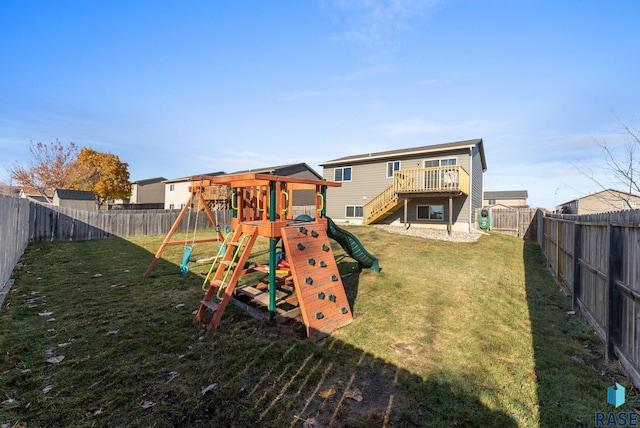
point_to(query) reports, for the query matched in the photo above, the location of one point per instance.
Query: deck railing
(443, 179)
(436, 180)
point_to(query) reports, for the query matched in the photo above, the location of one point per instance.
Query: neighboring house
(37, 197)
(76, 199)
(177, 191)
(296, 170)
(505, 199)
(438, 186)
(600, 202)
(147, 194)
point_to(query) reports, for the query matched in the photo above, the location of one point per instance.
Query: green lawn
(448, 334)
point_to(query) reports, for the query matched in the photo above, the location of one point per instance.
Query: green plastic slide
(352, 246)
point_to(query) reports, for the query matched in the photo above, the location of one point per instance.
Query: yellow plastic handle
(321, 201)
(234, 199)
(258, 198)
(286, 201)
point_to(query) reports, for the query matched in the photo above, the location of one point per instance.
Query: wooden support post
(406, 209)
(167, 238)
(613, 275)
(577, 253)
(450, 222)
(273, 208)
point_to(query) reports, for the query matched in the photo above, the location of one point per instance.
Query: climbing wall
(320, 291)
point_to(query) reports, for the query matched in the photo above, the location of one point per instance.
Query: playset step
(226, 277)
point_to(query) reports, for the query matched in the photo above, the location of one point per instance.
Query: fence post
(577, 253)
(613, 275)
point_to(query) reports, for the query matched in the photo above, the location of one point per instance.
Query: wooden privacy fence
(22, 221)
(514, 222)
(596, 260)
(14, 234)
(49, 223)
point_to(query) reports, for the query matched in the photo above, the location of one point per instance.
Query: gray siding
(477, 185)
(368, 179)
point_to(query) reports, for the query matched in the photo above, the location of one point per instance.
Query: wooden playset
(302, 276)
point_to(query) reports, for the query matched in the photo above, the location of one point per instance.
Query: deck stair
(381, 206)
(319, 288)
(224, 281)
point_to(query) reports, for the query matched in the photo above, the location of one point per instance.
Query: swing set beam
(196, 193)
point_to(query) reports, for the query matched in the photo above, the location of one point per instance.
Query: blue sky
(176, 88)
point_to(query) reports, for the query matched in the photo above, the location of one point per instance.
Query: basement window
(353, 211)
(430, 212)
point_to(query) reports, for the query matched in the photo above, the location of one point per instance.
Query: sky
(180, 88)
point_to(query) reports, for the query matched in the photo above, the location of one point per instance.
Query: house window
(353, 211)
(172, 187)
(492, 201)
(391, 167)
(437, 179)
(172, 206)
(342, 174)
(430, 212)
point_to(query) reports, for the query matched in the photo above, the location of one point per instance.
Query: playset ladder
(323, 301)
(226, 277)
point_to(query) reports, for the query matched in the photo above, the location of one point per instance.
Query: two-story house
(437, 186)
(600, 202)
(506, 199)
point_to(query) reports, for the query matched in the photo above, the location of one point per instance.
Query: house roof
(391, 154)
(149, 181)
(76, 195)
(612, 191)
(506, 194)
(283, 170)
(178, 180)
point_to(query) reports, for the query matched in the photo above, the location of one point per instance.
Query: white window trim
(342, 168)
(354, 211)
(393, 162)
(424, 161)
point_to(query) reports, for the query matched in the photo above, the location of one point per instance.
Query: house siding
(368, 179)
(148, 193)
(477, 179)
(604, 202)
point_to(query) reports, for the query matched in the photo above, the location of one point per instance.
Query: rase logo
(615, 397)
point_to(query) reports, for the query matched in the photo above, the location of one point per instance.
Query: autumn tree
(101, 173)
(47, 169)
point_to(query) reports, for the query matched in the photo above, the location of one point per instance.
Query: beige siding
(150, 193)
(178, 197)
(507, 202)
(605, 201)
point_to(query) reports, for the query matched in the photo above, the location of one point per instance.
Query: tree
(48, 168)
(101, 173)
(621, 167)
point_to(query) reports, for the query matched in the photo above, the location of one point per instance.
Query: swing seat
(185, 259)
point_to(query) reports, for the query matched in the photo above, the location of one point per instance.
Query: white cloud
(373, 23)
